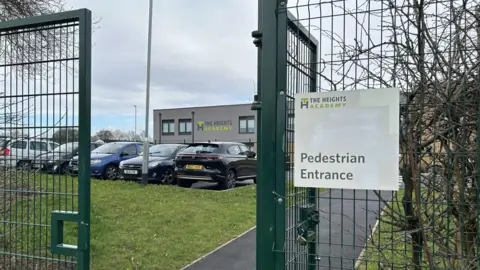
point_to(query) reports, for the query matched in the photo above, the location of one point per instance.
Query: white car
(19, 152)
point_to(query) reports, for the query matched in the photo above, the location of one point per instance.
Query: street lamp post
(147, 98)
(135, 121)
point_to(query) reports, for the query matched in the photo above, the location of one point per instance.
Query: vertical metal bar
(85, 55)
(280, 93)
(147, 98)
(477, 184)
(267, 24)
(478, 180)
(313, 192)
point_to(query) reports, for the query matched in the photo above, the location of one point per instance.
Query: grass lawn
(390, 248)
(156, 227)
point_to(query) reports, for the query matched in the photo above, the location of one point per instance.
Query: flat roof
(200, 107)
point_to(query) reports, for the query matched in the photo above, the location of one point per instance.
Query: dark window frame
(246, 119)
(184, 122)
(169, 132)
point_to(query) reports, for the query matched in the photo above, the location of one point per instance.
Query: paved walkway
(345, 219)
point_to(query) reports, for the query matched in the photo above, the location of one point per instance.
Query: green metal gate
(45, 64)
(428, 49)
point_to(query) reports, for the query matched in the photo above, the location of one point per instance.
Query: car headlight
(95, 161)
(50, 161)
(120, 165)
(153, 164)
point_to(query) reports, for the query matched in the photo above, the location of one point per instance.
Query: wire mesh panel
(44, 123)
(428, 49)
(300, 77)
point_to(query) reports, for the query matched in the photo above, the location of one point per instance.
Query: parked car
(221, 162)
(160, 166)
(57, 160)
(104, 160)
(19, 152)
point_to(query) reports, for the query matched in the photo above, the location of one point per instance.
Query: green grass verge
(156, 227)
(390, 247)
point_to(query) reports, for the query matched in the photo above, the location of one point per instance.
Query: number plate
(193, 167)
(38, 166)
(130, 172)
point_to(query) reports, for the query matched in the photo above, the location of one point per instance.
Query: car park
(57, 160)
(224, 163)
(19, 152)
(104, 160)
(160, 164)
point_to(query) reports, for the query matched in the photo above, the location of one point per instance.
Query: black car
(160, 164)
(57, 160)
(222, 162)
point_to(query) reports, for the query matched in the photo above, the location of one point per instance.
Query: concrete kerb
(216, 249)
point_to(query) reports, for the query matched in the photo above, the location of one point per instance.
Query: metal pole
(135, 121)
(147, 98)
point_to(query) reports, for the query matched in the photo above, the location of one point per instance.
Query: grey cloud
(202, 53)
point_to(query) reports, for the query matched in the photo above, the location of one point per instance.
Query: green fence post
(281, 134)
(84, 122)
(266, 138)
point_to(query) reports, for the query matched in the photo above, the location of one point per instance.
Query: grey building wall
(220, 123)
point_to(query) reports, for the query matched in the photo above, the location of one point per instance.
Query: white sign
(347, 139)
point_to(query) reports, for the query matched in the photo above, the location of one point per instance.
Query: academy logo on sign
(304, 103)
(323, 103)
(214, 125)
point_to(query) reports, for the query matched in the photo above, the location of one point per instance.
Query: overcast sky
(202, 54)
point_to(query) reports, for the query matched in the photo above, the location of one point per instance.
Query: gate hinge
(257, 38)
(306, 228)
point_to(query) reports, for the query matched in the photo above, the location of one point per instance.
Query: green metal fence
(45, 91)
(428, 49)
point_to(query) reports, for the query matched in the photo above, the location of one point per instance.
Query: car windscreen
(201, 148)
(65, 148)
(109, 148)
(162, 150)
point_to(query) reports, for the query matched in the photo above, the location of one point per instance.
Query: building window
(168, 127)
(247, 124)
(185, 126)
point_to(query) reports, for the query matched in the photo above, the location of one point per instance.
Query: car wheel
(23, 165)
(63, 170)
(111, 172)
(230, 180)
(184, 183)
(168, 177)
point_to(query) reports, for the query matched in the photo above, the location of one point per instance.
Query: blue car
(105, 159)
(160, 166)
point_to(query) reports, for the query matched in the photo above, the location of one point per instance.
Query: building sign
(347, 139)
(214, 125)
